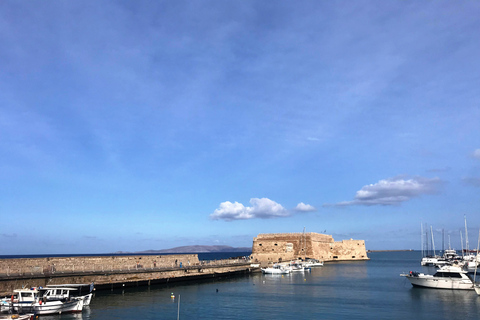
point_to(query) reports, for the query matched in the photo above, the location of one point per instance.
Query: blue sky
(136, 125)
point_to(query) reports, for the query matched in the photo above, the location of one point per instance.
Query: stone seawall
(93, 263)
(113, 271)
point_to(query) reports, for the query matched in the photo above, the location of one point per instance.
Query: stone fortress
(278, 247)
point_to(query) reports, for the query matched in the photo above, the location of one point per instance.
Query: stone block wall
(93, 263)
(278, 247)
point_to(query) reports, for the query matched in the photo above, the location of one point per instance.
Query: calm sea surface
(352, 290)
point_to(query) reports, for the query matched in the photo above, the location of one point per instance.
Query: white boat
(475, 285)
(70, 291)
(57, 306)
(447, 277)
(23, 299)
(276, 269)
(296, 267)
(45, 301)
(310, 263)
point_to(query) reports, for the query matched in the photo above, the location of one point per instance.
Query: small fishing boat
(46, 301)
(310, 263)
(70, 291)
(447, 277)
(276, 269)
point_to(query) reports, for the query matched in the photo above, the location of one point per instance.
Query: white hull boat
(447, 277)
(276, 270)
(311, 263)
(57, 306)
(72, 291)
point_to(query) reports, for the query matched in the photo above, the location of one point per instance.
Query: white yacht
(447, 277)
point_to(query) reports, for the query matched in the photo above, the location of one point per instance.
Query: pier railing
(76, 269)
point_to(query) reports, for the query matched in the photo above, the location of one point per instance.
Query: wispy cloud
(444, 169)
(393, 191)
(302, 207)
(5, 235)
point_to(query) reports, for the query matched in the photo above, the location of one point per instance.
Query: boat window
(447, 275)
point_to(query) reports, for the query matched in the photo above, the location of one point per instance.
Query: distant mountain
(196, 249)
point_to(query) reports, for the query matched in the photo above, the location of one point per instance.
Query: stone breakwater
(109, 272)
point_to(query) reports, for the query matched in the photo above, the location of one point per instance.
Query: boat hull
(54, 307)
(439, 283)
(275, 271)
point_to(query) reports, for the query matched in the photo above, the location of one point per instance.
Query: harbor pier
(111, 272)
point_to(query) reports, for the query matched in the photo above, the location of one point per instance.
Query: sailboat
(476, 286)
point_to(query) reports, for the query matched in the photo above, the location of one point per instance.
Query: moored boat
(447, 277)
(276, 269)
(70, 291)
(310, 263)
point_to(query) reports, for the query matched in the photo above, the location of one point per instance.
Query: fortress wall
(95, 263)
(275, 247)
(349, 250)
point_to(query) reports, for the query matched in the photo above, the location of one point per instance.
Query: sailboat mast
(461, 241)
(421, 238)
(443, 241)
(433, 242)
(466, 234)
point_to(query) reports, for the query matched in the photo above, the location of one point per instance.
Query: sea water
(343, 290)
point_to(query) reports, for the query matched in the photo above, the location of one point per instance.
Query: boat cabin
(26, 295)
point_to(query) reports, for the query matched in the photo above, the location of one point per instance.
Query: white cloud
(304, 207)
(476, 154)
(263, 208)
(393, 191)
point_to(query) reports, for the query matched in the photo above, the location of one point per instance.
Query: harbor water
(349, 290)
